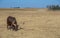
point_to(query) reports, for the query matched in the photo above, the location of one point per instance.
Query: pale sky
(27, 3)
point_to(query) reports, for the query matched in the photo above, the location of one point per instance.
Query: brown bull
(12, 23)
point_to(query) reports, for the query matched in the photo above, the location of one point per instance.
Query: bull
(12, 23)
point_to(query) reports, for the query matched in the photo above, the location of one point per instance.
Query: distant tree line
(15, 7)
(53, 7)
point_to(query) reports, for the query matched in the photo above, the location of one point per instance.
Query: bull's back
(10, 19)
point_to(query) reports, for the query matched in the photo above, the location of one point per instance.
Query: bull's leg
(8, 27)
(16, 27)
(13, 27)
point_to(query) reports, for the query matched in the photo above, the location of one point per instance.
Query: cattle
(12, 23)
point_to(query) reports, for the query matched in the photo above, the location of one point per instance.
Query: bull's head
(14, 25)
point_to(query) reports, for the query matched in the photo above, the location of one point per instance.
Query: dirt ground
(36, 23)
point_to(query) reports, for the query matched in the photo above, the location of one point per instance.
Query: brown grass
(38, 23)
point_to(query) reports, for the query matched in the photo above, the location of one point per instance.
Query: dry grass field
(38, 23)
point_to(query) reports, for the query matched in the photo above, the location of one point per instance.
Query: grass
(38, 23)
